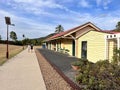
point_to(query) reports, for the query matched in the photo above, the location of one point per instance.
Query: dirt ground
(13, 49)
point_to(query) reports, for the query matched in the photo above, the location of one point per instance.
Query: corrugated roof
(110, 31)
(68, 31)
(71, 30)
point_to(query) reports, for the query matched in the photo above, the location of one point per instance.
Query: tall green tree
(59, 29)
(13, 35)
(26, 41)
(23, 40)
(117, 27)
(23, 36)
(0, 37)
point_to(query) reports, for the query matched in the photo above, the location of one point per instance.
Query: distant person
(31, 47)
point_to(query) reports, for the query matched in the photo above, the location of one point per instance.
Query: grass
(13, 50)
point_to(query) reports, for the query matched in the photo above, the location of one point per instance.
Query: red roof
(68, 31)
(110, 31)
(65, 32)
(60, 34)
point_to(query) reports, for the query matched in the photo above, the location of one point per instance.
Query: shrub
(99, 76)
(77, 63)
(64, 50)
(116, 56)
(79, 77)
(80, 62)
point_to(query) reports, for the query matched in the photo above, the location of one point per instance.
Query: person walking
(31, 47)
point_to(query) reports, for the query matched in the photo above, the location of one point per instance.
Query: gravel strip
(61, 62)
(52, 79)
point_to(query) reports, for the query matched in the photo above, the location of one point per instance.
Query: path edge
(71, 83)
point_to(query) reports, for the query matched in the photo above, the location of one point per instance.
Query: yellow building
(85, 41)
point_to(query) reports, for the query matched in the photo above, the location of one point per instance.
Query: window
(107, 36)
(111, 36)
(114, 35)
(84, 49)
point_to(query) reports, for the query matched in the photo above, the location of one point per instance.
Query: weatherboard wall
(95, 45)
(67, 44)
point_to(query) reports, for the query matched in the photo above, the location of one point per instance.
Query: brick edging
(37, 52)
(71, 83)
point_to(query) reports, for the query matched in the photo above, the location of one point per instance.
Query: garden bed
(98, 76)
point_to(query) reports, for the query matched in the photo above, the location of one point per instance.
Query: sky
(38, 18)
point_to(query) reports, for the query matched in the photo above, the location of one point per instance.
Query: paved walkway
(21, 72)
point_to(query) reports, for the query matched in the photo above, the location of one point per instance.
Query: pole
(8, 22)
(7, 53)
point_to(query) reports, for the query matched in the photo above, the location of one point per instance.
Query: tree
(26, 41)
(23, 40)
(0, 37)
(23, 36)
(33, 41)
(13, 35)
(59, 29)
(117, 27)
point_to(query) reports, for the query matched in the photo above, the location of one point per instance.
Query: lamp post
(8, 22)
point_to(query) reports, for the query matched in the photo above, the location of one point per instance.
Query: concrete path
(22, 72)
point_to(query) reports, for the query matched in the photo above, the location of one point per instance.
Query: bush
(116, 56)
(77, 63)
(99, 76)
(64, 50)
(80, 62)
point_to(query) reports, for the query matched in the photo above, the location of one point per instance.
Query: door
(84, 49)
(73, 47)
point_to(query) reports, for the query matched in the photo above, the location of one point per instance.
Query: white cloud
(36, 7)
(37, 3)
(106, 3)
(103, 21)
(67, 1)
(36, 28)
(84, 3)
(98, 2)
(103, 3)
(31, 28)
(24, 1)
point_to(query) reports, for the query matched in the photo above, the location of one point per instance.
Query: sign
(7, 20)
